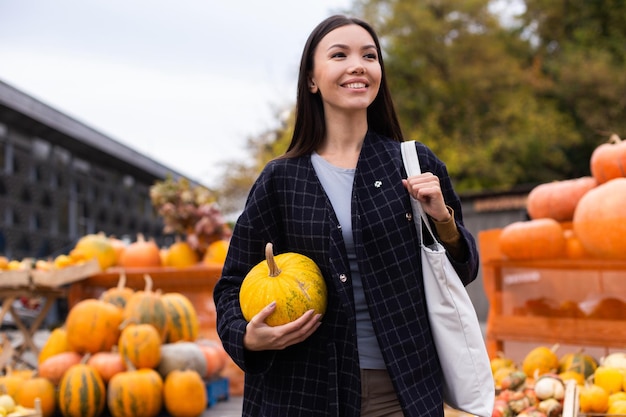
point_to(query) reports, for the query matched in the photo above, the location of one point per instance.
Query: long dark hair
(310, 125)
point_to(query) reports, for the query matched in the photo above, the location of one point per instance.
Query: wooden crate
(526, 299)
(13, 279)
(67, 275)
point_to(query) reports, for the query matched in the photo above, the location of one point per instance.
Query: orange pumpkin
(574, 249)
(93, 326)
(95, 246)
(141, 254)
(82, 392)
(107, 364)
(136, 392)
(54, 367)
(215, 356)
(120, 294)
(55, 343)
(186, 384)
(558, 199)
(216, 252)
(180, 254)
(37, 387)
(533, 239)
(141, 345)
(600, 220)
(608, 160)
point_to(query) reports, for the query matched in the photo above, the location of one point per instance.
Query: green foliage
(502, 105)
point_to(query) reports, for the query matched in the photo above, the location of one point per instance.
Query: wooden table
(10, 295)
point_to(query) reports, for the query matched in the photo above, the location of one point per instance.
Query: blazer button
(343, 277)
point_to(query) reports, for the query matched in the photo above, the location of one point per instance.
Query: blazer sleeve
(257, 225)
(468, 267)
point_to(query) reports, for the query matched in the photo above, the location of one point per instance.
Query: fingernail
(272, 304)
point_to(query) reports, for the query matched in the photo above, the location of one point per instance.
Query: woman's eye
(338, 55)
(371, 56)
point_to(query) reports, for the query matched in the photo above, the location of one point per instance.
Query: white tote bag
(467, 379)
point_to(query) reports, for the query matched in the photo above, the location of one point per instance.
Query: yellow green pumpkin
(290, 279)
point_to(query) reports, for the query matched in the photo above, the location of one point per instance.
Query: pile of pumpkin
(575, 218)
(537, 387)
(135, 353)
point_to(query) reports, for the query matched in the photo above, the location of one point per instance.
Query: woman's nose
(357, 69)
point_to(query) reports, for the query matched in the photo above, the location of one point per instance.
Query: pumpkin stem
(149, 282)
(271, 262)
(121, 282)
(614, 139)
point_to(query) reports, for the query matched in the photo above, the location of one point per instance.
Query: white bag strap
(412, 166)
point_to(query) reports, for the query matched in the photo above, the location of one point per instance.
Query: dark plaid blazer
(321, 376)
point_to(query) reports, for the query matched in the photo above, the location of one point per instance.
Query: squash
(82, 392)
(180, 356)
(55, 343)
(608, 160)
(215, 356)
(541, 360)
(118, 295)
(180, 254)
(38, 387)
(136, 392)
(292, 280)
(558, 199)
(574, 249)
(93, 326)
(182, 323)
(580, 362)
(146, 306)
(107, 364)
(533, 239)
(141, 253)
(95, 246)
(55, 367)
(141, 345)
(11, 381)
(186, 384)
(600, 220)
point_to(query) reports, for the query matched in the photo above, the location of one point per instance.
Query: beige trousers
(378, 397)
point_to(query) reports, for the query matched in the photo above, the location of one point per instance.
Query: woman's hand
(260, 336)
(426, 189)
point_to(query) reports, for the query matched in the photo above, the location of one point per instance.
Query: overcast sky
(185, 82)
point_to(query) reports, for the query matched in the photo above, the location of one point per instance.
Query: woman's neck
(343, 141)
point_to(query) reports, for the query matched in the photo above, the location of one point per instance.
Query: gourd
(533, 239)
(180, 356)
(608, 160)
(93, 326)
(600, 220)
(147, 307)
(549, 386)
(293, 280)
(182, 323)
(186, 384)
(10, 382)
(558, 199)
(107, 364)
(141, 253)
(55, 367)
(37, 387)
(141, 345)
(56, 343)
(95, 246)
(82, 392)
(118, 295)
(540, 360)
(136, 392)
(579, 362)
(215, 356)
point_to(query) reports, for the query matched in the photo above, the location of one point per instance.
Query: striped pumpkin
(147, 307)
(183, 322)
(136, 392)
(81, 392)
(579, 362)
(118, 295)
(141, 345)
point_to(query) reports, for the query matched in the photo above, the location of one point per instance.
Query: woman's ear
(312, 86)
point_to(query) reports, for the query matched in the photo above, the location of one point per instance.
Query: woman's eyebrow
(343, 46)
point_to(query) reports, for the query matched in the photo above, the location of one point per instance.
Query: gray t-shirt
(337, 183)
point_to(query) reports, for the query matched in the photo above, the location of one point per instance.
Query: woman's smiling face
(346, 71)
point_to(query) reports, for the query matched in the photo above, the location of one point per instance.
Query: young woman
(340, 196)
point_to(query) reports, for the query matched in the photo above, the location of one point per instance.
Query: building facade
(61, 179)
